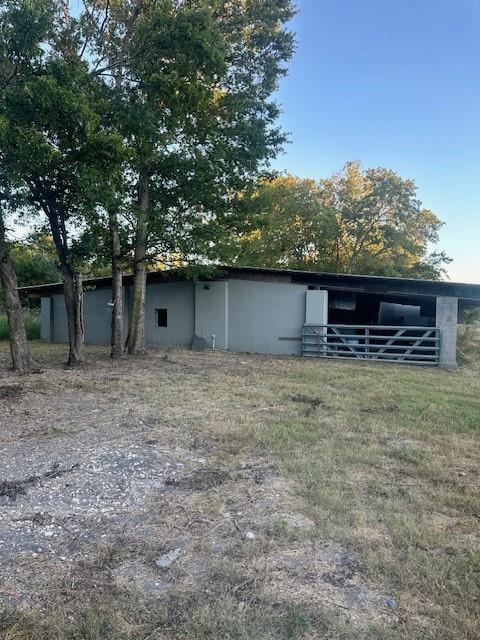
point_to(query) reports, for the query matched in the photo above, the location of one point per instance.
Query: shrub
(32, 326)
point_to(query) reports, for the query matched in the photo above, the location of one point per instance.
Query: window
(162, 317)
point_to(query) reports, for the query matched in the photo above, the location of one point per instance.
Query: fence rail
(412, 345)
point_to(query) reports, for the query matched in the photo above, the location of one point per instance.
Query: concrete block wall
(447, 321)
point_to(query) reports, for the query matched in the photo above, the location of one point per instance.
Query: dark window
(162, 317)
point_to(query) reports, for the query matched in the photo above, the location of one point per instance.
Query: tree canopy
(367, 221)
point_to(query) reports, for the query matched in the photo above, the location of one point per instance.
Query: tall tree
(14, 46)
(55, 142)
(357, 221)
(382, 227)
(22, 359)
(288, 225)
(194, 80)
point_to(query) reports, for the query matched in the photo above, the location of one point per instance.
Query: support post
(447, 320)
(316, 313)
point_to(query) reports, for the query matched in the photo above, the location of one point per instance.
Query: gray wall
(447, 319)
(178, 299)
(60, 327)
(46, 319)
(244, 315)
(211, 312)
(98, 316)
(262, 312)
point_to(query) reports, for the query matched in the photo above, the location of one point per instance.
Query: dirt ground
(106, 468)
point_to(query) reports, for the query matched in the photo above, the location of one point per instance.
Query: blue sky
(393, 83)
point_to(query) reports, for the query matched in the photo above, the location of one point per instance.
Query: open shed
(284, 312)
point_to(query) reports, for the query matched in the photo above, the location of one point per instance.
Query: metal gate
(411, 345)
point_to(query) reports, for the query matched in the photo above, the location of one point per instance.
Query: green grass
(384, 459)
(32, 326)
(389, 468)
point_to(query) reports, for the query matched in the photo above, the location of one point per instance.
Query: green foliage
(32, 326)
(196, 110)
(59, 157)
(358, 221)
(35, 261)
(178, 91)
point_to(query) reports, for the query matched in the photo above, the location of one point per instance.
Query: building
(284, 312)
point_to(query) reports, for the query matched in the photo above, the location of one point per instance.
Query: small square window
(162, 317)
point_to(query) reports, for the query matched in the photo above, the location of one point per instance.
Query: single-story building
(284, 312)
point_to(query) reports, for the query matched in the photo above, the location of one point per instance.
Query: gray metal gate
(411, 345)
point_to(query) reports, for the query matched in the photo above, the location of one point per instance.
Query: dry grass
(384, 464)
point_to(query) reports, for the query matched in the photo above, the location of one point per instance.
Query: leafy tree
(358, 221)
(35, 260)
(286, 225)
(193, 81)
(382, 227)
(11, 51)
(22, 360)
(55, 144)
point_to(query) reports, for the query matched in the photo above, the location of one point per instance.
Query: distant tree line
(140, 132)
(358, 221)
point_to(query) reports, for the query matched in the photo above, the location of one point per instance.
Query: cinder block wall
(447, 320)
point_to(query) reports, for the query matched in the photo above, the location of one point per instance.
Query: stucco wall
(98, 316)
(178, 299)
(45, 319)
(211, 312)
(262, 312)
(244, 315)
(60, 328)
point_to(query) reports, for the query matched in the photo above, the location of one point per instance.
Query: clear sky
(393, 83)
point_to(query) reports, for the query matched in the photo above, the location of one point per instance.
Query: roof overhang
(468, 294)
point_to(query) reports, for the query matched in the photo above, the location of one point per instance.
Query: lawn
(308, 499)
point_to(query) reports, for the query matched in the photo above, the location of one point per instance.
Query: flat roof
(468, 293)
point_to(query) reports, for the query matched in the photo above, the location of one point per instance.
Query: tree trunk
(22, 360)
(72, 281)
(117, 350)
(136, 330)
(73, 294)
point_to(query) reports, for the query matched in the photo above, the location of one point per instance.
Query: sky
(392, 83)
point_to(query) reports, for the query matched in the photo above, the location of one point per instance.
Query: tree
(382, 227)
(287, 225)
(22, 360)
(358, 221)
(55, 143)
(34, 260)
(192, 81)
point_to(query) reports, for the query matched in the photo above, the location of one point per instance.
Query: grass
(389, 468)
(32, 326)
(384, 460)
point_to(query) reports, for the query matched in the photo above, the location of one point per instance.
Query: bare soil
(106, 467)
